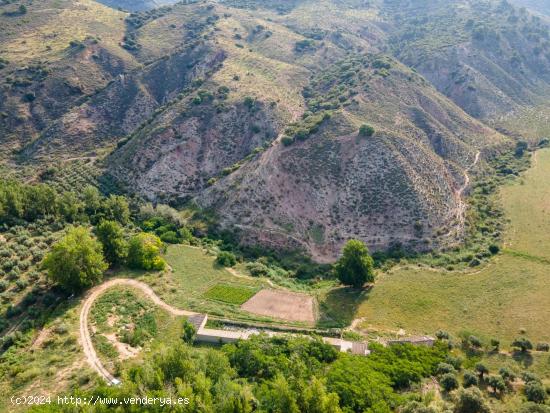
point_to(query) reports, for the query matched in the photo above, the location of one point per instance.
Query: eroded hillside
(255, 109)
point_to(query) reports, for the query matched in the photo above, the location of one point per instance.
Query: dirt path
(86, 338)
(460, 210)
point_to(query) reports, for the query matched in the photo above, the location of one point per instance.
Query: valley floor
(509, 295)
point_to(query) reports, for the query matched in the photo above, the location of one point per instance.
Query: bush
(189, 332)
(535, 392)
(471, 401)
(3, 285)
(449, 382)
(445, 368)
(543, 347)
(366, 131)
(470, 379)
(226, 259)
(257, 269)
(522, 344)
(170, 237)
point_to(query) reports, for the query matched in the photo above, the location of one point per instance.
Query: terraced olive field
(509, 295)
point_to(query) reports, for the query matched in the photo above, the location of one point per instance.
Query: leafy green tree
(70, 206)
(277, 396)
(226, 259)
(76, 261)
(316, 399)
(144, 252)
(449, 382)
(116, 208)
(356, 266)
(471, 401)
(92, 200)
(358, 385)
(535, 392)
(111, 236)
(522, 344)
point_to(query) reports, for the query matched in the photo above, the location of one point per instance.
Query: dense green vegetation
(276, 375)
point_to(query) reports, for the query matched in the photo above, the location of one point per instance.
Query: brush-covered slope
(323, 182)
(137, 5)
(253, 108)
(52, 56)
(490, 58)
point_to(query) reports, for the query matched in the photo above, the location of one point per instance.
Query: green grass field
(230, 294)
(510, 294)
(191, 284)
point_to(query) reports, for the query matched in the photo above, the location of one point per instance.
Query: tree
(523, 344)
(471, 401)
(495, 344)
(506, 374)
(76, 261)
(144, 252)
(22, 9)
(316, 399)
(481, 370)
(116, 208)
(226, 259)
(366, 130)
(470, 379)
(111, 236)
(449, 382)
(92, 200)
(535, 392)
(356, 266)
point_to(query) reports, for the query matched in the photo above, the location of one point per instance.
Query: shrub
(471, 401)
(257, 269)
(495, 344)
(523, 344)
(535, 392)
(494, 249)
(497, 383)
(442, 335)
(445, 368)
(449, 382)
(170, 237)
(470, 379)
(506, 374)
(287, 140)
(543, 347)
(226, 259)
(3, 285)
(189, 332)
(366, 130)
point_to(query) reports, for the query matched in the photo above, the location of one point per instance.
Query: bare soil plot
(284, 305)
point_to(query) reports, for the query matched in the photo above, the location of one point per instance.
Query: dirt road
(85, 336)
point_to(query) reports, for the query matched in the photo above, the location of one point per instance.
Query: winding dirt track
(85, 336)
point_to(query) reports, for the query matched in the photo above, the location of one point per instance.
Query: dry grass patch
(283, 305)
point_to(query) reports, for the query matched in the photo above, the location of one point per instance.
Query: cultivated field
(283, 305)
(509, 295)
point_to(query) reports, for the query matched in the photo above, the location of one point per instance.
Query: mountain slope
(252, 109)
